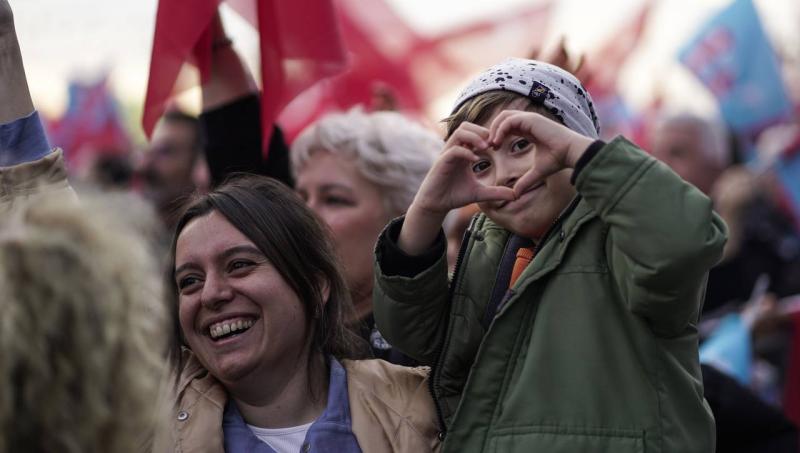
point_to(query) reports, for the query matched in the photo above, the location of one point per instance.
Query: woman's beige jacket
(390, 407)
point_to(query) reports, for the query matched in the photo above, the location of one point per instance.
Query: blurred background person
(83, 336)
(82, 342)
(763, 244)
(357, 171)
(166, 169)
(696, 148)
(762, 239)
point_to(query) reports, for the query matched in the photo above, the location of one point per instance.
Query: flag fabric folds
(388, 55)
(733, 58)
(181, 27)
(600, 76)
(300, 44)
(729, 349)
(91, 124)
(337, 53)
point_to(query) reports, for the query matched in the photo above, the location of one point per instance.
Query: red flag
(416, 69)
(604, 65)
(91, 125)
(300, 45)
(182, 30)
(601, 73)
(299, 42)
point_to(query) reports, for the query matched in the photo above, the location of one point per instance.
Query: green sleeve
(663, 234)
(411, 312)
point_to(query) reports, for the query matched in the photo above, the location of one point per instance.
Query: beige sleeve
(25, 182)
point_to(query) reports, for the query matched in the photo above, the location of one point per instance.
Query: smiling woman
(264, 357)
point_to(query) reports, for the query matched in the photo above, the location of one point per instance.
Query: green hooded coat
(594, 349)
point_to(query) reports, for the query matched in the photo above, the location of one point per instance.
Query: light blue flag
(728, 348)
(733, 58)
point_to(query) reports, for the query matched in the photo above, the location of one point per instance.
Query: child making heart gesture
(569, 324)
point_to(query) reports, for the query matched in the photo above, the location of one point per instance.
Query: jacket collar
(570, 224)
(551, 253)
(192, 369)
(332, 430)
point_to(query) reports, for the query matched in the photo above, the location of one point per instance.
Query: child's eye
(479, 167)
(520, 145)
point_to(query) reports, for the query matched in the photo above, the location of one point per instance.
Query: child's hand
(451, 183)
(557, 146)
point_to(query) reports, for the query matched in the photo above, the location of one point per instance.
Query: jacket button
(561, 235)
(182, 416)
(306, 447)
(441, 435)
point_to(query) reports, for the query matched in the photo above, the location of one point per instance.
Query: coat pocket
(560, 439)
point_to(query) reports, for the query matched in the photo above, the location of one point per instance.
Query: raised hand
(15, 99)
(451, 183)
(557, 146)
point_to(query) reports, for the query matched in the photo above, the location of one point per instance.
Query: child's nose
(508, 181)
(505, 175)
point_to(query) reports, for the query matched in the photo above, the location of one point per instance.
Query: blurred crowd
(100, 352)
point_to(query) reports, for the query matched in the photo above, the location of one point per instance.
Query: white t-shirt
(282, 440)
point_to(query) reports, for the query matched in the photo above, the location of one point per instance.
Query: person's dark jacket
(746, 424)
(233, 143)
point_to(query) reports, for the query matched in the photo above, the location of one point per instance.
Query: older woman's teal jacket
(595, 347)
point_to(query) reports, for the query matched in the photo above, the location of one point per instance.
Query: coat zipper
(433, 383)
(570, 207)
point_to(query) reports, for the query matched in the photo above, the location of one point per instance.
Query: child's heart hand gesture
(451, 183)
(557, 147)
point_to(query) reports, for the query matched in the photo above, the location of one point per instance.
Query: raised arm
(27, 167)
(231, 118)
(663, 235)
(15, 98)
(22, 137)
(230, 79)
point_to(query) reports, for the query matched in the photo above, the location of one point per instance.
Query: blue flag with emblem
(733, 58)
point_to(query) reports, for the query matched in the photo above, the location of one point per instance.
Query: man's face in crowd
(680, 145)
(166, 166)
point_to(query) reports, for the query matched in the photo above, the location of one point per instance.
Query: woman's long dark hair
(277, 221)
